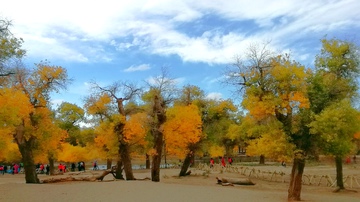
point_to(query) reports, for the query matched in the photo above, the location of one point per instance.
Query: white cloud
(141, 67)
(209, 48)
(55, 103)
(214, 96)
(153, 25)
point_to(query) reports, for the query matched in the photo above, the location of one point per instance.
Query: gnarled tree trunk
(26, 149)
(186, 164)
(156, 158)
(119, 169)
(124, 152)
(296, 176)
(126, 160)
(159, 115)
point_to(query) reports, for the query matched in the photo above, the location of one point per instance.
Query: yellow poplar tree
(105, 140)
(275, 90)
(14, 106)
(29, 128)
(182, 129)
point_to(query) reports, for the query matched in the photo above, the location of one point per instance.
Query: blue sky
(107, 41)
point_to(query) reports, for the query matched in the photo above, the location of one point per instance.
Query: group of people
(41, 168)
(222, 161)
(80, 166)
(62, 167)
(12, 169)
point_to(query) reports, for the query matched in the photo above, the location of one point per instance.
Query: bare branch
(251, 70)
(119, 92)
(7, 74)
(4, 27)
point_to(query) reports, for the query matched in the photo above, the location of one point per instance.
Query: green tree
(336, 125)
(333, 83)
(68, 118)
(217, 117)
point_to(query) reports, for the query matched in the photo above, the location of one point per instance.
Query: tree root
(338, 189)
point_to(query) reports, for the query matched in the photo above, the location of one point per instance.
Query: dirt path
(197, 187)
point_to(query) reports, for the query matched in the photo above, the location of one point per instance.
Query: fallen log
(84, 178)
(106, 172)
(78, 178)
(232, 181)
(67, 179)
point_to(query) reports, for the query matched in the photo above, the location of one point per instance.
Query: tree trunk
(28, 159)
(296, 176)
(126, 160)
(52, 167)
(119, 170)
(123, 153)
(147, 163)
(156, 158)
(26, 149)
(262, 159)
(159, 116)
(165, 161)
(108, 163)
(186, 164)
(339, 172)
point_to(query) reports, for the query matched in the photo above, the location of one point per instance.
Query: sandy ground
(196, 187)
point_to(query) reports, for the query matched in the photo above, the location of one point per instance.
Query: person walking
(47, 169)
(223, 164)
(2, 169)
(230, 160)
(95, 167)
(212, 162)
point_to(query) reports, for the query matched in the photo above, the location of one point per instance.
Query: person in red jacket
(60, 167)
(2, 169)
(230, 160)
(223, 164)
(42, 167)
(212, 162)
(64, 167)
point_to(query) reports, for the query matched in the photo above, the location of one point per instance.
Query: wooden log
(85, 178)
(106, 172)
(232, 181)
(78, 178)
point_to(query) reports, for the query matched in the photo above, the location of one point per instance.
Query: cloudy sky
(107, 41)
